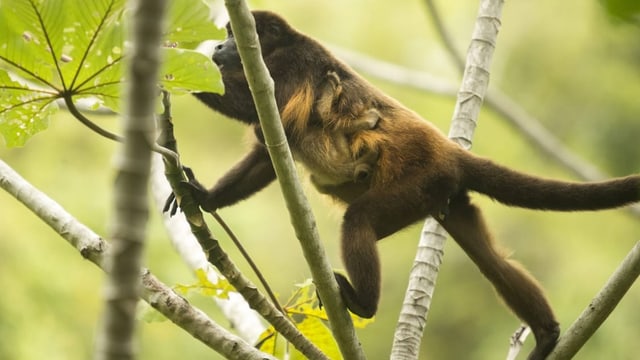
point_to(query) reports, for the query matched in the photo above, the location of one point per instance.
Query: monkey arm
(250, 175)
(253, 173)
(236, 107)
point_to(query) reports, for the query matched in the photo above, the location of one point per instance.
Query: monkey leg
(373, 216)
(519, 290)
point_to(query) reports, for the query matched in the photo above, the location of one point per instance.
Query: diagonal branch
(599, 308)
(93, 248)
(262, 90)
(219, 258)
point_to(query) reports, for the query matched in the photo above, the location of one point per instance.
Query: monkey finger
(188, 172)
(169, 204)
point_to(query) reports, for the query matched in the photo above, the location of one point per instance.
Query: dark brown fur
(418, 172)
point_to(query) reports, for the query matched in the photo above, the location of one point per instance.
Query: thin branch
(517, 341)
(445, 36)
(219, 258)
(88, 123)
(93, 248)
(600, 307)
(71, 106)
(261, 86)
(246, 322)
(168, 141)
(249, 260)
(473, 88)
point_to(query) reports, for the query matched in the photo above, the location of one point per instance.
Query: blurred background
(566, 62)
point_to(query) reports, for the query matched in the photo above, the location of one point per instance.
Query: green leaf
(183, 70)
(190, 22)
(23, 111)
(24, 46)
(75, 48)
(205, 287)
(62, 47)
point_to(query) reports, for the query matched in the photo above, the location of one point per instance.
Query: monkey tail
(517, 189)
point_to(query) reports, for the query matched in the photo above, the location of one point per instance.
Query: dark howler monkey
(417, 172)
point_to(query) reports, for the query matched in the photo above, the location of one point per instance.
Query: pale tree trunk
(475, 81)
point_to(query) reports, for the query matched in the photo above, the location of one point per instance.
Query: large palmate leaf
(52, 49)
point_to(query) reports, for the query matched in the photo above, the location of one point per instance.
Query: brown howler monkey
(417, 172)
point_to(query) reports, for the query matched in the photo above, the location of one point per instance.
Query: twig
(168, 141)
(517, 341)
(445, 36)
(249, 260)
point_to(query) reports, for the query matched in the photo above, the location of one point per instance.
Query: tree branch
(261, 86)
(599, 308)
(93, 248)
(423, 275)
(219, 258)
(235, 308)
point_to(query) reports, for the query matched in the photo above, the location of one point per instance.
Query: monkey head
(274, 34)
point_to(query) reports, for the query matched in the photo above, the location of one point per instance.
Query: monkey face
(226, 55)
(273, 33)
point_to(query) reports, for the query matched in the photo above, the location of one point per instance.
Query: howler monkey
(416, 172)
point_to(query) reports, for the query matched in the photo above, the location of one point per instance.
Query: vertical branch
(262, 90)
(473, 88)
(122, 289)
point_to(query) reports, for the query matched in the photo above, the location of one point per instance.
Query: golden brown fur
(417, 172)
(330, 150)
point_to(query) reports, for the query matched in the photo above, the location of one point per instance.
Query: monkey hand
(198, 192)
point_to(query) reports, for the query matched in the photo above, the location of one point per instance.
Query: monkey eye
(273, 30)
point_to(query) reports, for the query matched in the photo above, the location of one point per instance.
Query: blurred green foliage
(566, 62)
(625, 10)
